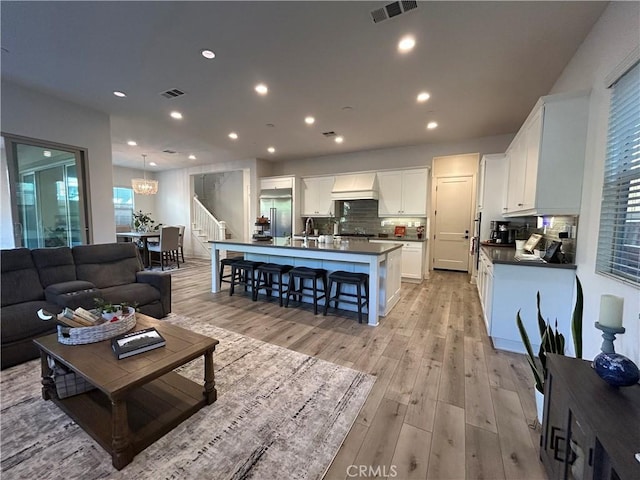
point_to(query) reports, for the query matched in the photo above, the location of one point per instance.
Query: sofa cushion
(21, 321)
(20, 280)
(107, 265)
(135, 293)
(55, 265)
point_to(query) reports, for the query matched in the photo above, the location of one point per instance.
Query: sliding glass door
(47, 192)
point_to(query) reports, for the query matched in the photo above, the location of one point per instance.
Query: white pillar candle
(611, 311)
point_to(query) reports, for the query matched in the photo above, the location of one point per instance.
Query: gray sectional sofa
(54, 278)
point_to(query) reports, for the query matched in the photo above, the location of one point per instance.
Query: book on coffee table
(134, 343)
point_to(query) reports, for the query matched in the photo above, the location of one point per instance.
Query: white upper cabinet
(275, 183)
(546, 158)
(403, 193)
(316, 196)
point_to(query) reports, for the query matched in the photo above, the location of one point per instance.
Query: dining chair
(167, 248)
(180, 241)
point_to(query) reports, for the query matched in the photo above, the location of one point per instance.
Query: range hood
(356, 186)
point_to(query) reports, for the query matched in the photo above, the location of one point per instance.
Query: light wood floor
(445, 404)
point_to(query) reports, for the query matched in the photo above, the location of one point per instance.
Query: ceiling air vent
(406, 6)
(378, 15)
(392, 10)
(329, 134)
(171, 152)
(173, 93)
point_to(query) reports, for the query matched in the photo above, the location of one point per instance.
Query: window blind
(619, 239)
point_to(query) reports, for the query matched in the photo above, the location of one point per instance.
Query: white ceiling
(484, 64)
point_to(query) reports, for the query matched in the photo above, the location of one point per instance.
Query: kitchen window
(619, 242)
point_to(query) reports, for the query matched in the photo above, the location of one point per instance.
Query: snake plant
(551, 341)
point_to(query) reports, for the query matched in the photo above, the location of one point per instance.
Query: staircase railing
(208, 226)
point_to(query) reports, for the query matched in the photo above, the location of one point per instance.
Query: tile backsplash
(550, 228)
(361, 216)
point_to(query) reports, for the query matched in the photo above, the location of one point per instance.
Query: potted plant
(142, 222)
(551, 341)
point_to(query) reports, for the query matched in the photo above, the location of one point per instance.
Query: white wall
(29, 113)
(388, 158)
(174, 205)
(613, 37)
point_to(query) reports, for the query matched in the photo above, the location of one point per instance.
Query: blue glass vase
(615, 369)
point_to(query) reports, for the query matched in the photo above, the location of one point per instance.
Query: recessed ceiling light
(120, 94)
(261, 88)
(46, 153)
(309, 120)
(339, 139)
(153, 164)
(423, 97)
(192, 157)
(271, 150)
(176, 115)
(233, 136)
(132, 143)
(208, 54)
(406, 44)
(432, 125)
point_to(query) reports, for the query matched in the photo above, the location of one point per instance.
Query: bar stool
(306, 273)
(226, 262)
(266, 280)
(360, 280)
(243, 272)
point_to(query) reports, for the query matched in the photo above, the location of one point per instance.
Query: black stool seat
(360, 280)
(226, 262)
(243, 272)
(301, 290)
(266, 280)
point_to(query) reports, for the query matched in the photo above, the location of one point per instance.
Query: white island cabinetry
(380, 262)
(413, 256)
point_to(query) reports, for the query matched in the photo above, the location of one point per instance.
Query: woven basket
(82, 335)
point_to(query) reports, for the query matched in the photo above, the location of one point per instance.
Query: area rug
(279, 414)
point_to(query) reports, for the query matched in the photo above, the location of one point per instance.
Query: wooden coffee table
(137, 399)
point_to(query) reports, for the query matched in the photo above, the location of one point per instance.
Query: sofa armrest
(160, 281)
(73, 294)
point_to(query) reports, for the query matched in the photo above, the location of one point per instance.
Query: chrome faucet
(307, 231)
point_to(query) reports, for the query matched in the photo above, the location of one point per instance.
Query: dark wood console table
(590, 430)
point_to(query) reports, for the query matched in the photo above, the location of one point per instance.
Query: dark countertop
(506, 256)
(364, 248)
(400, 239)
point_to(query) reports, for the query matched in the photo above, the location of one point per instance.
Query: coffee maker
(499, 232)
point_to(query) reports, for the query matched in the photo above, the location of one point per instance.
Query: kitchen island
(380, 261)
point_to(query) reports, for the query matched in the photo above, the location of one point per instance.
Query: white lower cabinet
(485, 288)
(413, 254)
(505, 289)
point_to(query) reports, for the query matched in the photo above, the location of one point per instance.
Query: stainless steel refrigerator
(277, 206)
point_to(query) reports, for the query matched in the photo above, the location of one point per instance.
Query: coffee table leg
(48, 384)
(121, 448)
(210, 392)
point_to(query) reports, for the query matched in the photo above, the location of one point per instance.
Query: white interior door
(452, 226)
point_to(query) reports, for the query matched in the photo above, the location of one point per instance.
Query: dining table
(144, 237)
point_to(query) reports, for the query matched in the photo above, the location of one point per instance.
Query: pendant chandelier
(143, 186)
